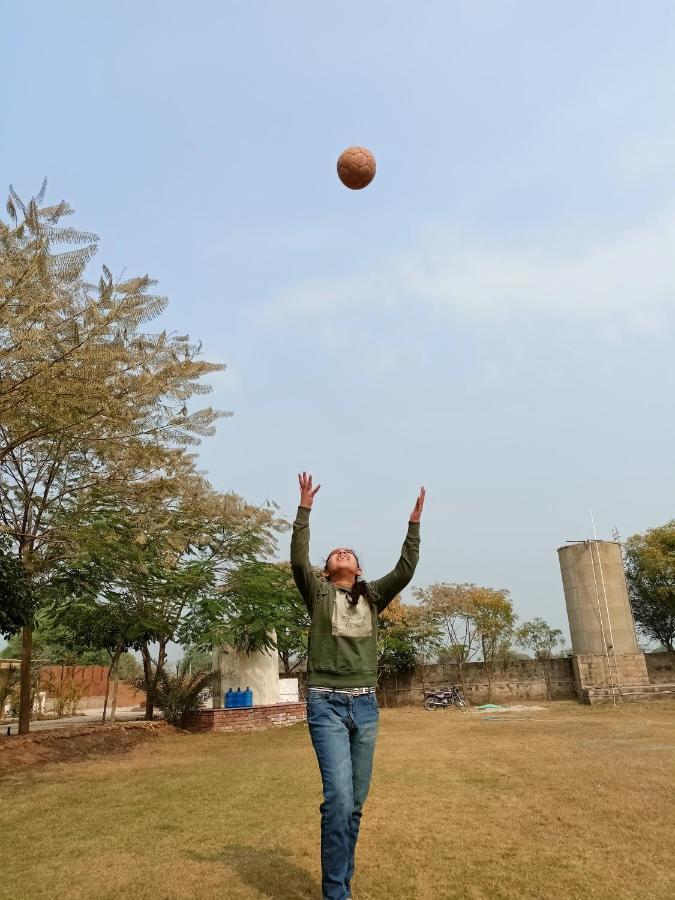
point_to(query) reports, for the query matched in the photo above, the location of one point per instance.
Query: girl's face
(342, 563)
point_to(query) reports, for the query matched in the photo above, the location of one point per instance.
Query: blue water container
(228, 698)
(238, 698)
(248, 697)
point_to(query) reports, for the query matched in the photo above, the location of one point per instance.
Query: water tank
(596, 597)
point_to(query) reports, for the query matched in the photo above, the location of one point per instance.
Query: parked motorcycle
(443, 699)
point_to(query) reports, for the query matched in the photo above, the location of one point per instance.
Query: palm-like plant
(181, 693)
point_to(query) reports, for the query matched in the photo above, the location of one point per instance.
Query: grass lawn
(573, 802)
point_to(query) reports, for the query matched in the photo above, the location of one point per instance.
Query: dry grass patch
(75, 743)
(571, 803)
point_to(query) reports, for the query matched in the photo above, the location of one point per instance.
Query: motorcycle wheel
(461, 703)
(430, 703)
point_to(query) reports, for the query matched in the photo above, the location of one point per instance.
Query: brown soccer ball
(356, 167)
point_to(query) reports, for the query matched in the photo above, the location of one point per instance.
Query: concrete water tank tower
(597, 602)
(607, 658)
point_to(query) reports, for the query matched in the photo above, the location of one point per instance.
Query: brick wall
(661, 667)
(91, 682)
(252, 718)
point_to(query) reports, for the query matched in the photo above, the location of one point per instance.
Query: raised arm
(392, 584)
(300, 564)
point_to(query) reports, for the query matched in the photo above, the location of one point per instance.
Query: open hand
(416, 514)
(307, 491)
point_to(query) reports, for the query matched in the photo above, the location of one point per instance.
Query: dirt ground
(74, 743)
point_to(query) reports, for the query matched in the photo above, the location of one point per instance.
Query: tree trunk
(147, 675)
(26, 676)
(25, 689)
(487, 666)
(161, 662)
(151, 680)
(113, 703)
(107, 691)
(114, 673)
(460, 666)
(544, 670)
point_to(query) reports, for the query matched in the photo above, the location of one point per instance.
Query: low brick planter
(252, 718)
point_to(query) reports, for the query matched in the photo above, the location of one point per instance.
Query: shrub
(181, 693)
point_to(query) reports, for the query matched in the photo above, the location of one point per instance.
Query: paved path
(90, 717)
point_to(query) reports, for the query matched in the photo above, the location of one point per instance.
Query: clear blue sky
(492, 317)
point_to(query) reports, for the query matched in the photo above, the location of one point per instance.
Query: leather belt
(353, 692)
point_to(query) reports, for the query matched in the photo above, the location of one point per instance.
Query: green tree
(398, 639)
(53, 644)
(105, 630)
(264, 610)
(495, 621)
(196, 658)
(465, 622)
(649, 561)
(86, 636)
(539, 637)
(73, 354)
(87, 395)
(15, 609)
(447, 612)
(162, 559)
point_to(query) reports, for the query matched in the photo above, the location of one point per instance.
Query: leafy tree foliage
(465, 622)
(265, 610)
(539, 637)
(88, 396)
(398, 639)
(649, 561)
(15, 606)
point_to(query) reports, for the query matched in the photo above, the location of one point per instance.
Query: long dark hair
(360, 588)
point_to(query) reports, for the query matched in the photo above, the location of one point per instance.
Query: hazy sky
(492, 317)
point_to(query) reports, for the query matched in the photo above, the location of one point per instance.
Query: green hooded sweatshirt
(342, 650)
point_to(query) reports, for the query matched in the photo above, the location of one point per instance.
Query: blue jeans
(343, 731)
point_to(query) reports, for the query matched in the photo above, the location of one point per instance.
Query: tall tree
(75, 355)
(448, 612)
(38, 332)
(649, 561)
(162, 557)
(495, 621)
(465, 622)
(87, 396)
(101, 627)
(262, 599)
(539, 637)
(399, 640)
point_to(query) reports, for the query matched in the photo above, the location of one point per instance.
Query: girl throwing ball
(342, 710)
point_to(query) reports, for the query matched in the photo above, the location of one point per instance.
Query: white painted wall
(259, 671)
